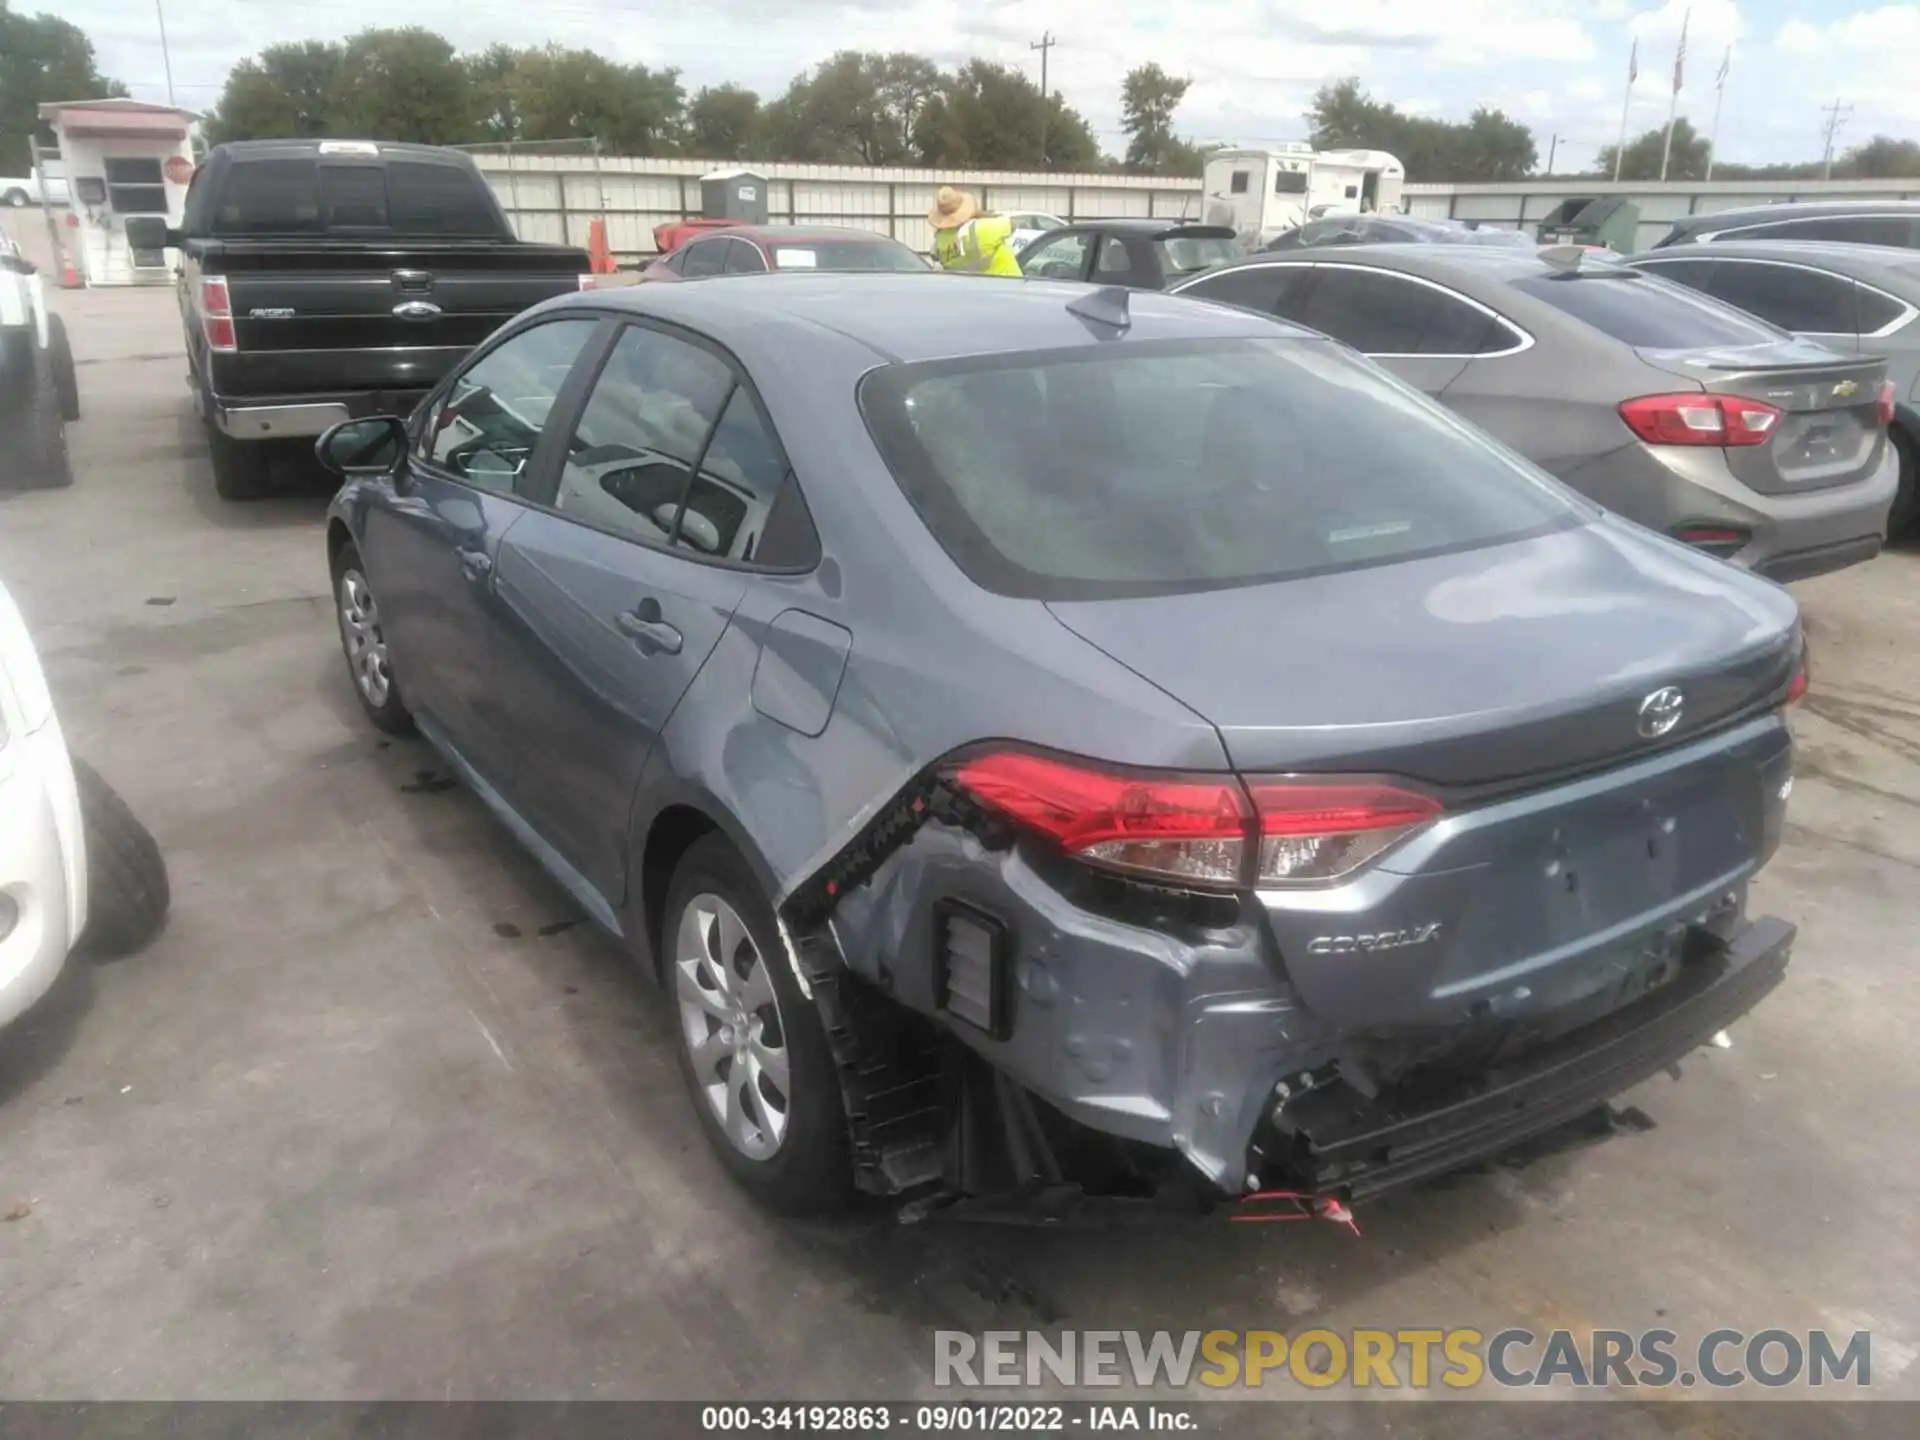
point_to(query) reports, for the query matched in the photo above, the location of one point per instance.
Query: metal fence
(554, 197)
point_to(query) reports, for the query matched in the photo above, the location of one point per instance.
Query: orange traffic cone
(599, 254)
(69, 275)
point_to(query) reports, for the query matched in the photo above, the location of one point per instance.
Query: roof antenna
(1105, 306)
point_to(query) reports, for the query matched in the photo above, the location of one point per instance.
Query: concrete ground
(376, 1117)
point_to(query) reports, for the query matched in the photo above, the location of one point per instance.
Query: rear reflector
(1198, 829)
(216, 314)
(1700, 419)
(1883, 411)
(1719, 540)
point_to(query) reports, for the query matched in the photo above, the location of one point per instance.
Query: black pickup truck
(325, 279)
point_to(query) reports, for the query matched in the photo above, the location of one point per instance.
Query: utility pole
(165, 58)
(1553, 148)
(1836, 114)
(1045, 43)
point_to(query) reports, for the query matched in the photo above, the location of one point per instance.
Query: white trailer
(1261, 193)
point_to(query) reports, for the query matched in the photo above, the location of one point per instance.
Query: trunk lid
(1828, 433)
(1498, 666)
(320, 295)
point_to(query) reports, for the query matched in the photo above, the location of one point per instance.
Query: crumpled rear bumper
(1335, 1141)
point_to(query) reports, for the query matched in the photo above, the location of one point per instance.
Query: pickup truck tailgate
(332, 317)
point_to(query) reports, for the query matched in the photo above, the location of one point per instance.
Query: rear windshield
(1163, 467)
(844, 255)
(1184, 254)
(299, 196)
(1646, 313)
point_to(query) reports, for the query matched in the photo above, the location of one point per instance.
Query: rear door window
(1188, 254)
(1790, 296)
(704, 257)
(743, 259)
(1380, 313)
(1877, 310)
(1645, 312)
(1061, 256)
(1170, 466)
(1853, 229)
(644, 425)
(1262, 288)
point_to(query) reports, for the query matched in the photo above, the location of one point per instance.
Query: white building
(121, 158)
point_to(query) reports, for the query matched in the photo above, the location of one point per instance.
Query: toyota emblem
(1660, 712)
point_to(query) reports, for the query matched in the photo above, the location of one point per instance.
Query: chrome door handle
(475, 564)
(650, 634)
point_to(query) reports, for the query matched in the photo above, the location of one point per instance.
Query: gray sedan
(1857, 299)
(1055, 742)
(1679, 412)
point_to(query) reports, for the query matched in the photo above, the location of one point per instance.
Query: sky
(1559, 66)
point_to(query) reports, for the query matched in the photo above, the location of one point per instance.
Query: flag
(1633, 61)
(1726, 65)
(1680, 55)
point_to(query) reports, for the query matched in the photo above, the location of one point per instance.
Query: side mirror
(374, 445)
(149, 232)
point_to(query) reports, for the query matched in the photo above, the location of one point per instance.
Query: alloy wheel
(731, 1025)
(366, 642)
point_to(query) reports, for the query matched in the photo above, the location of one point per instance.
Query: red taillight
(1700, 419)
(1198, 829)
(588, 282)
(1883, 411)
(216, 313)
(1797, 687)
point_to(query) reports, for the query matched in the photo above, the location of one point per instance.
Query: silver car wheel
(366, 643)
(730, 1023)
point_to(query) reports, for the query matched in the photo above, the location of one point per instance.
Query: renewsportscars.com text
(1457, 1359)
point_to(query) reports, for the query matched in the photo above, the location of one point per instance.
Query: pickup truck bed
(325, 280)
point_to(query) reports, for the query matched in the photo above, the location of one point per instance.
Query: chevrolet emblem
(1844, 389)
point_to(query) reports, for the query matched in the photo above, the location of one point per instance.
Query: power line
(1045, 43)
(1836, 114)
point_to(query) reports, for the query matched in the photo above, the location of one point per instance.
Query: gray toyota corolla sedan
(1693, 418)
(1059, 744)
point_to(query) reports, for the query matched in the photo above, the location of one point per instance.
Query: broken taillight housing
(1204, 830)
(1883, 405)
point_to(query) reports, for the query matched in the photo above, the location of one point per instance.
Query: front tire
(17, 199)
(66, 379)
(128, 894)
(35, 453)
(752, 1047)
(363, 640)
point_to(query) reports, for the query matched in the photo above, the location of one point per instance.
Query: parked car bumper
(298, 416)
(1787, 537)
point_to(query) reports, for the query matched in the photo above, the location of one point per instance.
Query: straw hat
(952, 208)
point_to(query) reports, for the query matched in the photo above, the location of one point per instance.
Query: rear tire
(1906, 504)
(127, 889)
(770, 1105)
(66, 380)
(35, 454)
(239, 468)
(17, 199)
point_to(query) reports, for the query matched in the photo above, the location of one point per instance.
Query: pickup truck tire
(17, 198)
(66, 380)
(35, 456)
(127, 890)
(239, 468)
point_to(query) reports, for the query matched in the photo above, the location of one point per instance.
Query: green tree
(1148, 98)
(401, 84)
(1490, 145)
(42, 58)
(988, 116)
(574, 94)
(493, 76)
(723, 122)
(1881, 158)
(1641, 159)
(856, 108)
(286, 90)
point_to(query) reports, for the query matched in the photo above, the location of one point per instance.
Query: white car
(1030, 225)
(74, 862)
(39, 391)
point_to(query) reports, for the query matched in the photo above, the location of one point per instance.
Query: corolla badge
(1379, 940)
(1661, 711)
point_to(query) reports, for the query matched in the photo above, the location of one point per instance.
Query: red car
(756, 249)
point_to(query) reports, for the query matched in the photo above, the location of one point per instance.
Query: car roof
(930, 316)
(1841, 257)
(1436, 262)
(782, 233)
(1791, 210)
(1146, 224)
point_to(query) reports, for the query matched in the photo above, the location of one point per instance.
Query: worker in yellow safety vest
(968, 242)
